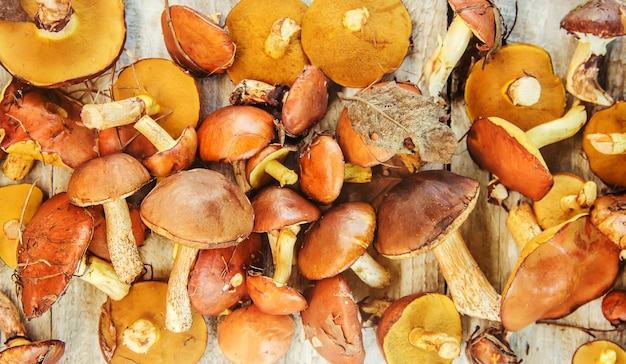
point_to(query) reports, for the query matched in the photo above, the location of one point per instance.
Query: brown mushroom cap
(503, 149)
(274, 298)
(335, 241)
(479, 17)
(306, 102)
(487, 85)
(179, 157)
(248, 335)
(146, 300)
(322, 169)
(276, 207)
(360, 57)
(249, 23)
(607, 215)
(559, 270)
(591, 351)
(53, 243)
(95, 29)
(602, 18)
(331, 322)
(217, 213)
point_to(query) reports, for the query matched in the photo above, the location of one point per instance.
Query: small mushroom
(272, 297)
(19, 347)
(322, 169)
(607, 215)
(350, 52)
(338, 241)
(248, 335)
(77, 28)
(19, 203)
(331, 322)
(595, 24)
(305, 102)
(107, 181)
(431, 205)
(559, 270)
(267, 165)
(420, 328)
(614, 308)
(217, 214)
(133, 329)
(599, 352)
(490, 347)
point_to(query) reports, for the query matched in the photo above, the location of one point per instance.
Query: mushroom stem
(611, 143)
(178, 316)
(471, 292)
(583, 199)
(281, 173)
(140, 336)
(17, 166)
(522, 224)
(121, 241)
(558, 129)
(446, 346)
(53, 15)
(10, 322)
(524, 91)
(282, 252)
(581, 79)
(371, 272)
(155, 133)
(101, 275)
(354, 19)
(118, 113)
(607, 356)
(282, 33)
(439, 67)
(356, 174)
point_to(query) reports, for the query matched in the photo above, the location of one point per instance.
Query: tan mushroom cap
(608, 216)
(331, 322)
(106, 178)
(602, 18)
(216, 212)
(359, 57)
(479, 17)
(558, 271)
(277, 207)
(146, 300)
(592, 351)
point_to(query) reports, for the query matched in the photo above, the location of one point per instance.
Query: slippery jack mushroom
(19, 347)
(607, 215)
(480, 18)
(272, 297)
(420, 328)
(267, 165)
(595, 24)
(322, 169)
(614, 308)
(430, 206)
(599, 352)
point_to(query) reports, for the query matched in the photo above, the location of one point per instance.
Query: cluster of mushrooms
(265, 177)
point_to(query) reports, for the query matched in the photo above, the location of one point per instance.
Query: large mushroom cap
(429, 205)
(276, 207)
(602, 18)
(199, 208)
(106, 178)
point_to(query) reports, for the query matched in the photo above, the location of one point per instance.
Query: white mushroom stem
(439, 67)
(446, 346)
(53, 12)
(522, 224)
(282, 33)
(101, 275)
(582, 200)
(371, 272)
(471, 292)
(581, 79)
(155, 133)
(121, 241)
(140, 336)
(118, 113)
(178, 314)
(559, 129)
(282, 245)
(608, 143)
(524, 91)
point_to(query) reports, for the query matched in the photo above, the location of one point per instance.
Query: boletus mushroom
(19, 347)
(614, 308)
(420, 328)
(431, 206)
(607, 214)
(272, 297)
(133, 329)
(600, 352)
(80, 40)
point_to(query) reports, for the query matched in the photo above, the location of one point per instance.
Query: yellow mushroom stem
(117, 113)
(281, 173)
(282, 244)
(140, 336)
(178, 314)
(522, 224)
(608, 143)
(356, 174)
(524, 91)
(581, 79)
(354, 19)
(445, 345)
(283, 32)
(607, 356)
(155, 133)
(583, 199)
(439, 67)
(558, 129)
(371, 272)
(101, 275)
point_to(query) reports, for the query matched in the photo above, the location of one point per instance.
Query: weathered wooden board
(74, 318)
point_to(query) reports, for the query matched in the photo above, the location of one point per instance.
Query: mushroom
(98, 244)
(559, 270)
(272, 297)
(217, 214)
(607, 215)
(19, 203)
(513, 155)
(490, 347)
(133, 329)
(517, 84)
(195, 41)
(267, 35)
(614, 308)
(595, 24)
(53, 251)
(267, 165)
(420, 328)
(322, 169)
(431, 205)
(480, 18)
(217, 281)
(331, 323)
(305, 102)
(266, 338)
(338, 241)
(599, 352)
(19, 347)
(601, 135)
(281, 212)
(107, 181)
(363, 40)
(80, 28)
(522, 223)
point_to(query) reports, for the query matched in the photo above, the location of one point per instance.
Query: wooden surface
(73, 318)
